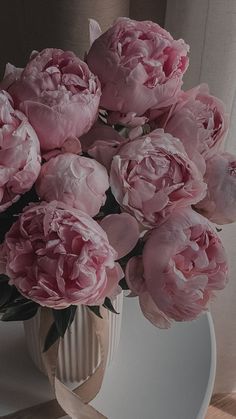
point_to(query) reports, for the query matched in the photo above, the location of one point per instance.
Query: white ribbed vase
(79, 353)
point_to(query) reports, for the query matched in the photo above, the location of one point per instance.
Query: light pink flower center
(156, 173)
(209, 121)
(59, 77)
(63, 71)
(196, 256)
(159, 58)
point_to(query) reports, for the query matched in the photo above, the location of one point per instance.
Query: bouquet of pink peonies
(111, 176)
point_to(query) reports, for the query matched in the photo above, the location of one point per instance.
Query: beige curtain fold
(148, 10)
(209, 26)
(36, 24)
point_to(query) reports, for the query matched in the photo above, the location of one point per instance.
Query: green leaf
(63, 319)
(123, 284)
(51, 337)
(20, 312)
(6, 292)
(73, 312)
(118, 127)
(136, 251)
(3, 278)
(59, 327)
(109, 306)
(95, 310)
(111, 206)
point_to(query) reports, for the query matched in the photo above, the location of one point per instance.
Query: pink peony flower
(219, 204)
(182, 265)
(152, 175)
(59, 94)
(200, 122)
(102, 142)
(58, 256)
(19, 153)
(139, 64)
(77, 181)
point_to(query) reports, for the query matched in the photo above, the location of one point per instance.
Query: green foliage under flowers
(136, 251)
(108, 305)
(95, 310)
(13, 306)
(111, 206)
(63, 319)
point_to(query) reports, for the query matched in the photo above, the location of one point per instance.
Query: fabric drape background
(27, 25)
(209, 26)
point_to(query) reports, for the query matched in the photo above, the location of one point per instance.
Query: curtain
(209, 26)
(36, 24)
(148, 10)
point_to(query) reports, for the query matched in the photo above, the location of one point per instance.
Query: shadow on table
(225, 402)
(15, 363)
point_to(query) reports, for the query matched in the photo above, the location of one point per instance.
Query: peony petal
(114, 276)
(122, 231)
(94, 30)
(134, 276)
(152, 313)
(77, 181)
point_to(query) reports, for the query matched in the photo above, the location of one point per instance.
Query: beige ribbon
(71, 402)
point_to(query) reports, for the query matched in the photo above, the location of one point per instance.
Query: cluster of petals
(139, 64)
(57, 256)
(59, 95)
(152, 176)
(182, 265)
(200, 121)
(19, 153)
(79, 182)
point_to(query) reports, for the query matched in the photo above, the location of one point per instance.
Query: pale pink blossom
(152, 175)
(57, 256)
(79, 182)
(219, 204)
(19, 153)
(182, 265)
(199, 120)
(139, 64)
(59, 95)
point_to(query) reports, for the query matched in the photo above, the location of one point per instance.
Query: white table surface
(156, 374)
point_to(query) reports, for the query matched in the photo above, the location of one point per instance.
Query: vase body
(79, 353)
